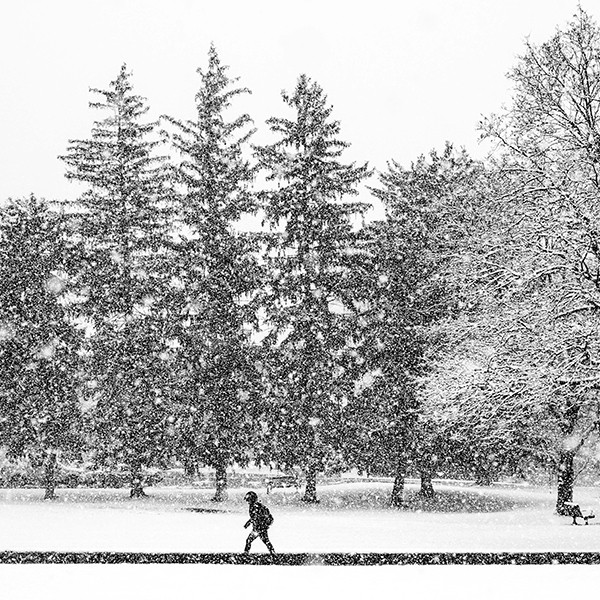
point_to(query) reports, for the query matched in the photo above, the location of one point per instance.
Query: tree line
(143, 325)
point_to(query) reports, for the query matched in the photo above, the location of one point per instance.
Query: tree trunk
(483, 478)
(425, 465)
(426, 490)
(566, 479)
(50, 476)
(137, 482)
(484, 472)
(190, 468)
(221, 482)
(310, 492)
(398, 489)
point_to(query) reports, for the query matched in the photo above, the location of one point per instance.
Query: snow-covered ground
(351, 517)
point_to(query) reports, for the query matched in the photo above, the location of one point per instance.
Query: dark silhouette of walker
(260, 519)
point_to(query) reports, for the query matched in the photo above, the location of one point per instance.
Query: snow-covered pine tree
(123, 224)
(411, 277)
(308, 302)
(40, 414)
(216, 277)
(381, 417)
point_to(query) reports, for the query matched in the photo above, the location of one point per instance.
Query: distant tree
(308, 299)
(549, 142)
(217, 274)
(123, 226)
(40, 414)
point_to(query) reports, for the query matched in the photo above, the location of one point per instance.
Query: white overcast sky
(403, 76)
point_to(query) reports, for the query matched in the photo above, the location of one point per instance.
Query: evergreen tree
(402, 295)
(308, 301)
(412, 274)
(219, 404)
(40, 414)
(380, 419)
(123, 226)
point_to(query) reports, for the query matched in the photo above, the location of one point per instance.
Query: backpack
(265, 516)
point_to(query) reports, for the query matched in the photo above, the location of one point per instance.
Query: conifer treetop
(213, 173)
(118, 152)
(304, 162)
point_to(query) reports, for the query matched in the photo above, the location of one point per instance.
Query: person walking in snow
(260, 519)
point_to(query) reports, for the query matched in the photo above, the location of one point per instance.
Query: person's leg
(264, 536)
(251, 537)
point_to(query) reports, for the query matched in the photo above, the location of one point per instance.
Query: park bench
(282, 481)
(574, 510)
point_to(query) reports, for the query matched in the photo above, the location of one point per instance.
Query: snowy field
(351, 517)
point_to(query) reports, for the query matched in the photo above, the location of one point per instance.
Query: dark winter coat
(260, 517)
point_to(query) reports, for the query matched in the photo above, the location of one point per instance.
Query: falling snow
(422, 383)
